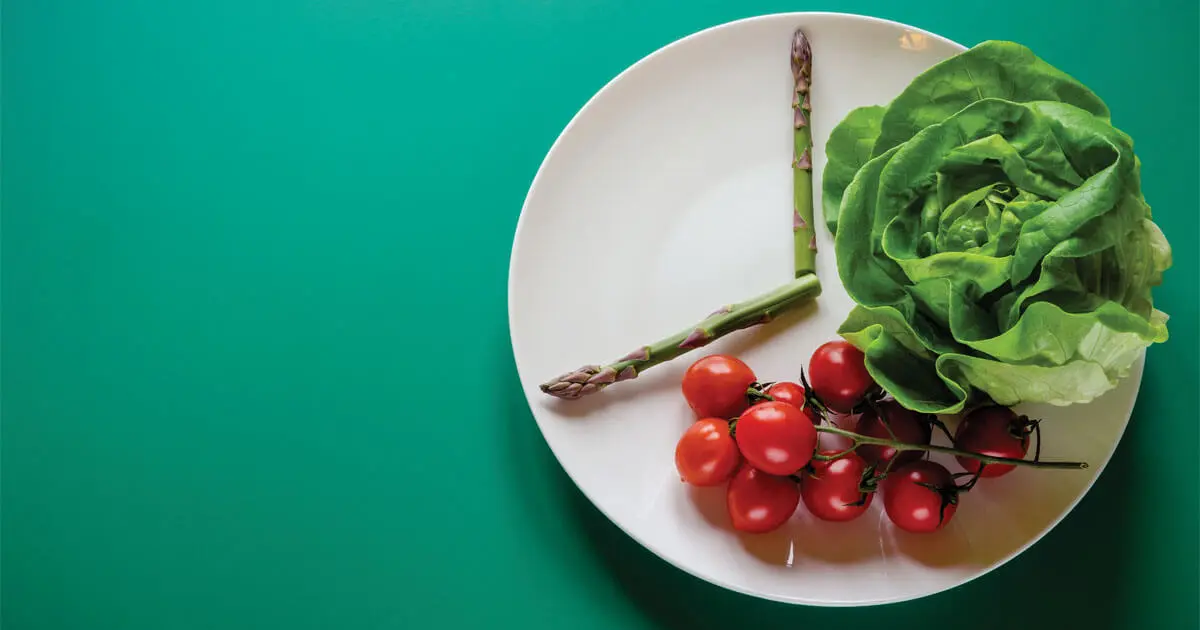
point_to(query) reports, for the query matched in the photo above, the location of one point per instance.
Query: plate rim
(1135, 372)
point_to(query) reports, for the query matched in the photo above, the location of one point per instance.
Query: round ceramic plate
(669, 194)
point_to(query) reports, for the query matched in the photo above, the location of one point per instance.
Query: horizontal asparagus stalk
(727, 319)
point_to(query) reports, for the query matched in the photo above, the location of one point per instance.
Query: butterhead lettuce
(990, 226)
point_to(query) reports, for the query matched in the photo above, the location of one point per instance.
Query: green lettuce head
(990, 226)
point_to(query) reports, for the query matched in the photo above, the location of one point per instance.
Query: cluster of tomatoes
(762, 440)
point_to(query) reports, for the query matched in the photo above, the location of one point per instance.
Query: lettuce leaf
(849, 147)
(994, 236)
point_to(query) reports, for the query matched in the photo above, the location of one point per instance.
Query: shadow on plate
(950, 547)
(802, 537)
(837, 543)
(710, 503)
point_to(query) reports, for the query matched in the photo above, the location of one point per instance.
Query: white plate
(669, 194)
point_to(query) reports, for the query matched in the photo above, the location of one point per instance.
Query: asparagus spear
(802, 208)
(758, 310)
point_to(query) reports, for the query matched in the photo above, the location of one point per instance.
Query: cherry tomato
(775, 437)
(706, 454)
(994, 431)
(838, 375)
(715, 386)
(759, 502)
(908, 426)
(793, 394)
(832, 491)
(914, 507)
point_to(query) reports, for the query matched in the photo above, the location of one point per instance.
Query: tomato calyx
(757, 392)
(867, 485)
(941, 426)
(966, 487)
(1024, 427)
(949, 496)
(873, 397)
(871, 478)
(812, 400)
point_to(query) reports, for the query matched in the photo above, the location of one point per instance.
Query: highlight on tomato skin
(715, 386)
(832, 490)
(915, 507)
(706, 454)
(759, 502)
(775, 437)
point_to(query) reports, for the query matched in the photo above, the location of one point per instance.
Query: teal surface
(256, 370)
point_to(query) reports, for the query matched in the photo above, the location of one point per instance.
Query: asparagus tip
(572, 384)
(801, 55)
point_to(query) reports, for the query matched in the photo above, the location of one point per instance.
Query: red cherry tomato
(715, 386)
(706, 454)
(908, 426)
(994, 431)
(917, 508)
(759, 502)
(793, 394)
(832, 491)
(838, 375)
(775, 437)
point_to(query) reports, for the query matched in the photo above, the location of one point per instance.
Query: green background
(255, 351)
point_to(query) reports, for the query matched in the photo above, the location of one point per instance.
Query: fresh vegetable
(759, 502)
(992, 430)
(716, 385)
(725, 320)
(802, 203)
(706, 454)
(888, 420)
(920, 497)
(990, 225)
(838, 375)
(761, 309)
(833, 491)
(768, 455)
(795, 395)
(775, 437)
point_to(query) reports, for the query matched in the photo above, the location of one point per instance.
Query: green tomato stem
(860, 440)
(727, 319)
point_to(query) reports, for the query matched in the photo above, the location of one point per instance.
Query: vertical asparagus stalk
(802, 202)
(757, 310)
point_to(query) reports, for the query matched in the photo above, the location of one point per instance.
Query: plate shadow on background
(672, 598)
